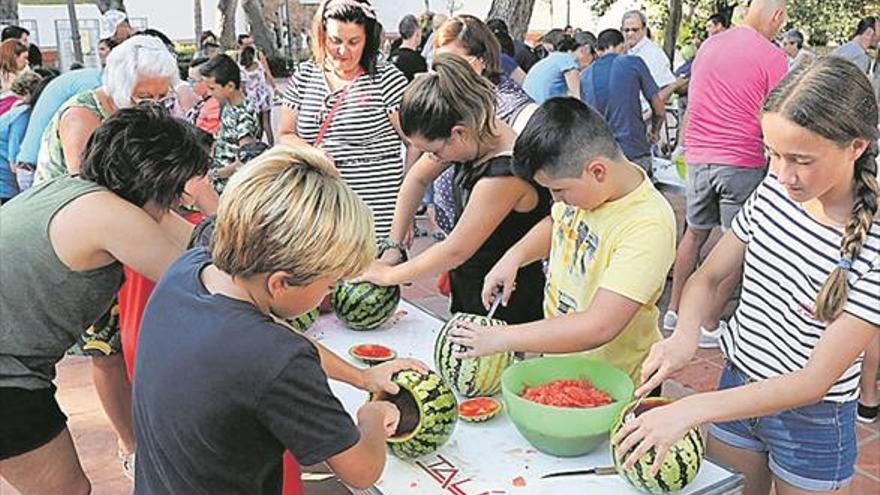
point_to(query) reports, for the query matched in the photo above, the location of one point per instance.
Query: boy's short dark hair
(144, 154)
(560, 138)
(13, 33)
(223, 70)
(609, 38)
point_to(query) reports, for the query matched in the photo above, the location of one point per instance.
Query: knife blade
(598, 471)
(496, 301)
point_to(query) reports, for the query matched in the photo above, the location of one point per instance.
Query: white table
(482, 458)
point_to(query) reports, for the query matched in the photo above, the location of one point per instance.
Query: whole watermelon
(680, 466)
(428, 414)
(472, 377)
(364, 306)
(304, 321)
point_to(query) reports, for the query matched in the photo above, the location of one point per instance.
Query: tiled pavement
(96, 443)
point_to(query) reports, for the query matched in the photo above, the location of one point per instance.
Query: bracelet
(386, 244)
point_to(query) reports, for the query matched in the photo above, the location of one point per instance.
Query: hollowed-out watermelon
(304, 321)
(471, 377)
(680, 466)
(428, 413)
(479, 409)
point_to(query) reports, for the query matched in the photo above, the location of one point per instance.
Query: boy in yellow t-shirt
(610, 241)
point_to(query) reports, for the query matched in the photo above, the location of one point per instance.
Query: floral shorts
(101, 339)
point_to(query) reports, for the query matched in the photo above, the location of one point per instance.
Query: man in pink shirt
(733, 73)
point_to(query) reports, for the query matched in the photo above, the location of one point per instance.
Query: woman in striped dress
(345, 102)
(808, 244)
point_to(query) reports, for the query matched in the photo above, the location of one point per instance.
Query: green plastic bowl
(564, 431)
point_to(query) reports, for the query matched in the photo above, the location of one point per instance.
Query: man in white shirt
(635, 34)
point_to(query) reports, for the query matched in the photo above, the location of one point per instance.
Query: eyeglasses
(632, 30)
(167, 102)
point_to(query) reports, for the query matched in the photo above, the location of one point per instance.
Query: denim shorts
(715, 193)
(812, 447)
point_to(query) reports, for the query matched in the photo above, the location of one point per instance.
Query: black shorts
(29, 419)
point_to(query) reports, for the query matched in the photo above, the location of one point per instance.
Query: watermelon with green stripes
(363, 305)
(472, 377)
(428, 413)
(678, 469)
(305, 320)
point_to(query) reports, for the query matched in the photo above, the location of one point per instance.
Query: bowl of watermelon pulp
(564, 431)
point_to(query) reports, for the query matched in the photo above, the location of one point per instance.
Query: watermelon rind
(438, 414)
(479, 418)
(352, 351)
(680, 467)
(302, 322)
(472, 377)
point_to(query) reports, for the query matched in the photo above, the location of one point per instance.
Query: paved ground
(96, 443)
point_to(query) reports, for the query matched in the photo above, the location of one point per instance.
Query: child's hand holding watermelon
(478, 340)
(659, 428)
(377, 380)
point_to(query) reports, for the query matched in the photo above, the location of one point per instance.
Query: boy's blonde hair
(288, 210)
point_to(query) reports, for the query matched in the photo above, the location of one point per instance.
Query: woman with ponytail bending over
(808, 242)
(493, 208)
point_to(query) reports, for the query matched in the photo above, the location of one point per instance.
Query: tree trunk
(517, 14)
(227, 22)
(9, 10)
(105, 5)
(263, 37)
(672, 28)
(74, 32)
(197, 20)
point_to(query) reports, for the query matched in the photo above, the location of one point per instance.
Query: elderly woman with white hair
(139, 70)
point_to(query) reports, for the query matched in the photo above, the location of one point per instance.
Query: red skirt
(133, 297)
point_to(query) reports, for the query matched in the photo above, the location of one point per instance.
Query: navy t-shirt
(220, 391)
(628, 76)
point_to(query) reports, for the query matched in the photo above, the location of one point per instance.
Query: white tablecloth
(482, 458)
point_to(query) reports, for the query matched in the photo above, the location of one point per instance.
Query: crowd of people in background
(535, 167)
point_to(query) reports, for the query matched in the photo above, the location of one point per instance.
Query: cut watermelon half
(479, 409)
(372, 353)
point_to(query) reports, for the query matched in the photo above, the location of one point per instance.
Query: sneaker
(867, 414)
(709, 339)
(670, 320)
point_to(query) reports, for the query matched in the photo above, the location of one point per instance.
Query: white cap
(110, 21)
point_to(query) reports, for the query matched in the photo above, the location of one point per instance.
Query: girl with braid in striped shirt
(808, 244)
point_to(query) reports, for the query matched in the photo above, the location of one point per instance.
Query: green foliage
(821, 21)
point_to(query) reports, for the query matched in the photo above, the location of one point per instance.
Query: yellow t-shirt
(625, 246)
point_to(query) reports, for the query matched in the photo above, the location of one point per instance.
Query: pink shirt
(733, 73)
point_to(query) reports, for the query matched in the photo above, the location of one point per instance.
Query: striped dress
(363, 143)
(788, 258)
